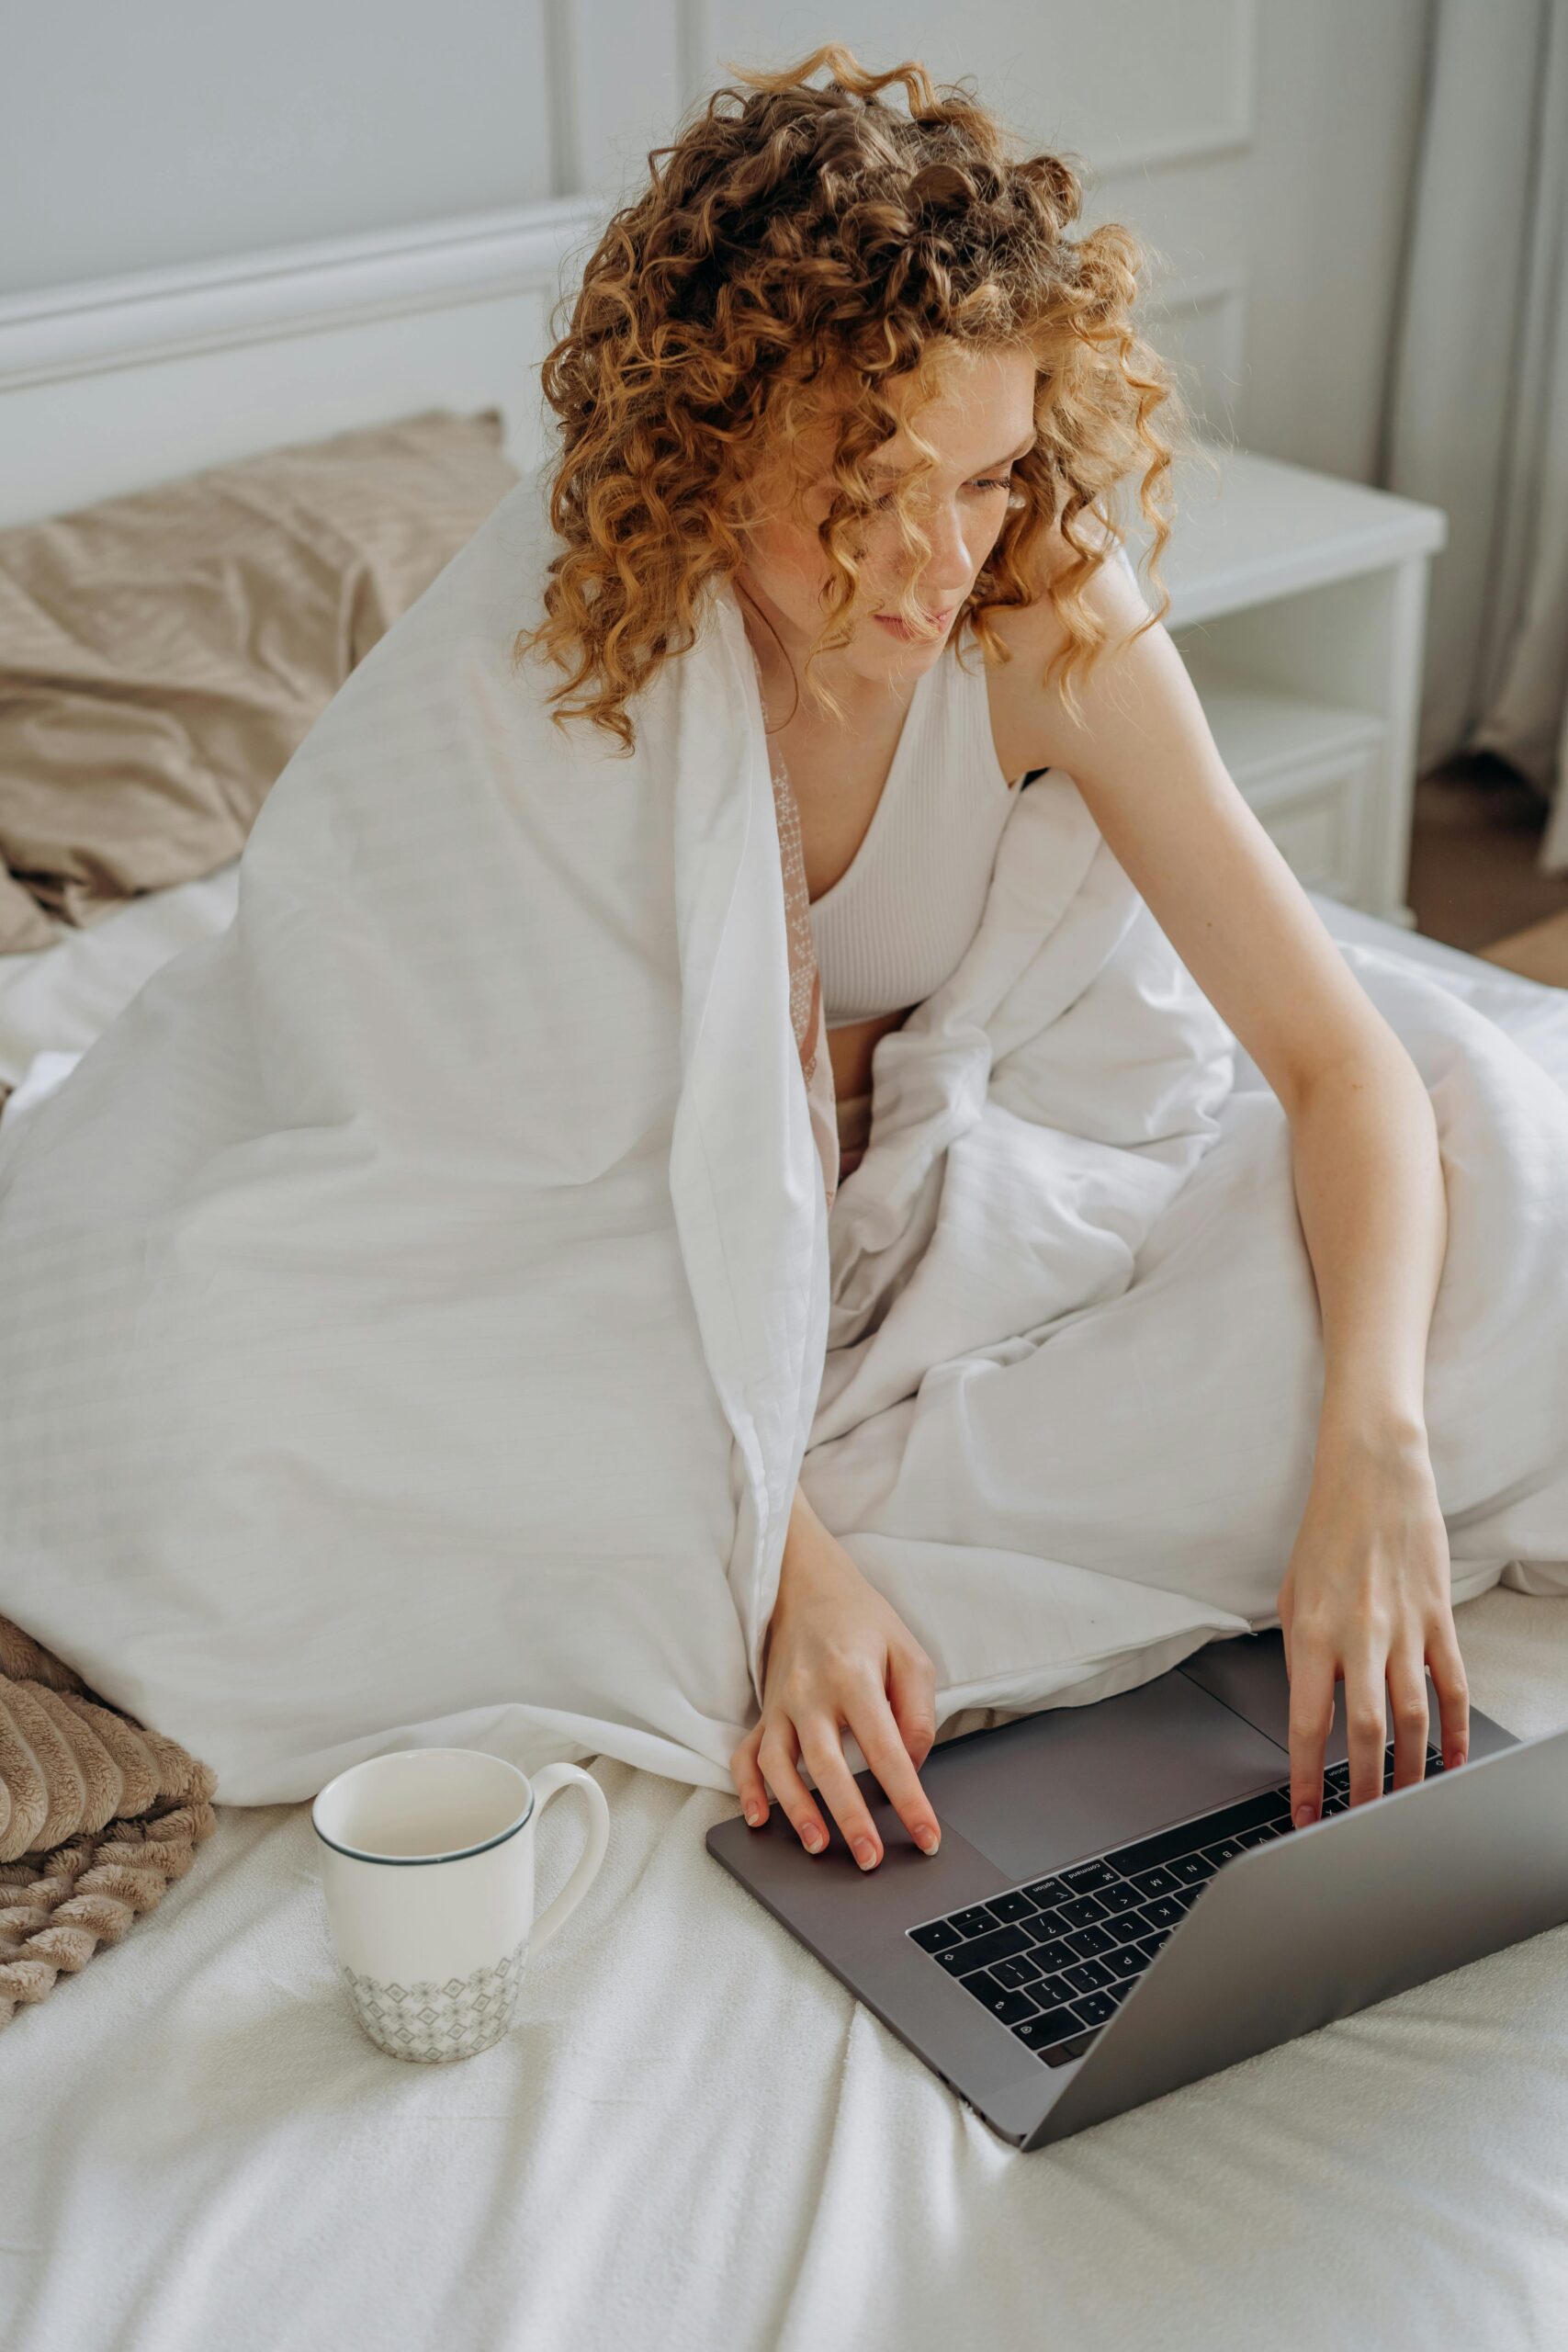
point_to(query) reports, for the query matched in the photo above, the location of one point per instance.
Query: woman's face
(982, 423)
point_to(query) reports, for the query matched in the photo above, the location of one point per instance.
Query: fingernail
(927, 1839)
(1455, 1759)
(753, 1814)
(1305, 1817)
(814, 1840)
(865, 1852)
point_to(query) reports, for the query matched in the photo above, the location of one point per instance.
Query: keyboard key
(1020, 1970)
(976, 1921)
(1224, 1850)
(1164, 1911)
(1052, 1989)
(1190, 1835)
(1048, 1889)
(1088, 1975)
(1192, 1869)
(1048, 1922)
(1087, 1878)
(1056, 1951)
(1089, 1942)
(1050, 2026)
(978, 1951)
(1262, 1835)
(1155, 1881)
(1070, 2050)
(1149, 1945)
(938, 1936)
(1014, 1905)
(1125, 1961)
(1184, 1897)
(1009, 2005)
(1095, 2008)
(1083, 1910)
(1120, 1896)
(1129, 1926)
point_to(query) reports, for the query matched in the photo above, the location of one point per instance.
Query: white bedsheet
(57, 1000)
(695, 2138)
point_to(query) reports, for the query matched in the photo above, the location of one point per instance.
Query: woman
(853, 361)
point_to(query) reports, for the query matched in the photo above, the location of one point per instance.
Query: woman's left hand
(1368, 1600)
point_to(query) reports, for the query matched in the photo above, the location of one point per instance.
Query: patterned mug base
(431, 2022)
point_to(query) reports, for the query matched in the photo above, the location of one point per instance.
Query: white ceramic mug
(427, 1866)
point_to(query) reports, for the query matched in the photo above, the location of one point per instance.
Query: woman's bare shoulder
(1033, 634)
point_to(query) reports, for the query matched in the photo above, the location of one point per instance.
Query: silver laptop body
(1278, 1936)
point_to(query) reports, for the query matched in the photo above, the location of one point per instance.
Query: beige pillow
(163, 655)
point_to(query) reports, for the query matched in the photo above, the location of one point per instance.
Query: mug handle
(547, 1784)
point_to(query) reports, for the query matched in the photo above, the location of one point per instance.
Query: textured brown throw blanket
(98, 1815)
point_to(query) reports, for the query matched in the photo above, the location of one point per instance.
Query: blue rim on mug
(415, 1861)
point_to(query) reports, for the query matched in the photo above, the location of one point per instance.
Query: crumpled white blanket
(421, 1302)
(1082, 1487)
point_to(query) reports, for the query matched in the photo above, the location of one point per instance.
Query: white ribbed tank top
(894, 925)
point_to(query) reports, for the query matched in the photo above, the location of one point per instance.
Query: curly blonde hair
(795, 249)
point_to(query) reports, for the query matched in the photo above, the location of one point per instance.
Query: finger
(911, 1694)
(1284, 1602)
(1407, 1694)
(1366, 1721)
(1452, 1690)
(1312, 1720)
(747, 1775)
(780, 1746)
(822, 1745)
(884, 1745)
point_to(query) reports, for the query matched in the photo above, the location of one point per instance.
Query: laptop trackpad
(1040, 1793)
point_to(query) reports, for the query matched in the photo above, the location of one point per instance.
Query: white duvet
(420, 1303)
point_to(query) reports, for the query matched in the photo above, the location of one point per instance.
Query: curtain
(1477, 418)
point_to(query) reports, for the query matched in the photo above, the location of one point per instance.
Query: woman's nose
(953, 562)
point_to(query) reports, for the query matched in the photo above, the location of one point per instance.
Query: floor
(1475, 882)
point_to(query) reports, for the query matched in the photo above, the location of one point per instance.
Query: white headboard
(118, 383)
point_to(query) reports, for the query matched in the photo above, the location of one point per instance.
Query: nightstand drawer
(1318, 820)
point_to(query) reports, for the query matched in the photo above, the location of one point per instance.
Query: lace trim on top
(806, 1006)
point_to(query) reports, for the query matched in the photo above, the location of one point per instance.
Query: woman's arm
(1367, 1595)
(1367, 1591)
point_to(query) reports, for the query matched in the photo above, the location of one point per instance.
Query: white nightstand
(1298, 605)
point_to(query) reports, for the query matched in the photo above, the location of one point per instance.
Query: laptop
(1121, 1905)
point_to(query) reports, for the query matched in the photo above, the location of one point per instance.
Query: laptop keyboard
(1053, 1958)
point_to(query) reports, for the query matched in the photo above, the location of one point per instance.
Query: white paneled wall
(1262, 149)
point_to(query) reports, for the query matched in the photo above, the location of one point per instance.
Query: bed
(693, 2137)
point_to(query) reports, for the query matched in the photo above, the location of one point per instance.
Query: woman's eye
(988, 482)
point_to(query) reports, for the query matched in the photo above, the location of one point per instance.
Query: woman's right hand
(836, 1655)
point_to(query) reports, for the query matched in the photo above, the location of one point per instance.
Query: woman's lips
(938, 621)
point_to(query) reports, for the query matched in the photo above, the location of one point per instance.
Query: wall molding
(563, 89)
(1233, 132)
(78, 330)
(1224, 292)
